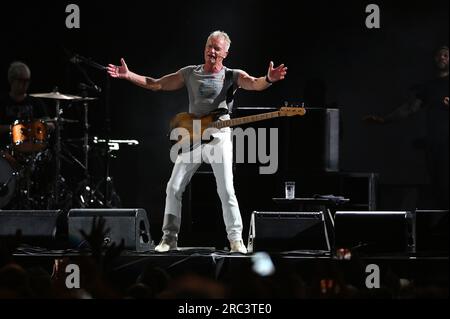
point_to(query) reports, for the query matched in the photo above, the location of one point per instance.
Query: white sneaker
(165, 245)
(237, 246)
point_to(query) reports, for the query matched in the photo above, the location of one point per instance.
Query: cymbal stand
(108, 191)
(57, 152)
(109, 196)
(86, 140)
(108, 179)
(58, 191)
(85, 192)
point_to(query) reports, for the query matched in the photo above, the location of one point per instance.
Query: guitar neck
(245, 120)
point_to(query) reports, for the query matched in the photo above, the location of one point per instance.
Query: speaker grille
(38, 227)
(288, 231)
(374, 231)
(130, 225)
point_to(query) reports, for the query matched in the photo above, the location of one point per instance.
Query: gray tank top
(209, 91)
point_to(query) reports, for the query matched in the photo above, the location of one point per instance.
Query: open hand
(276, 74)
(96, 237)
(119, 72)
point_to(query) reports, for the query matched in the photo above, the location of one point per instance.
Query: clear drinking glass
(289, 188)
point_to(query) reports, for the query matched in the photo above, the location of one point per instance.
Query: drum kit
(30, 166)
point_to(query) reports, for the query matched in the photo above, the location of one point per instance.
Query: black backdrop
(365, 71)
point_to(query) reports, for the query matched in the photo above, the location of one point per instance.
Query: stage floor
(312, 268)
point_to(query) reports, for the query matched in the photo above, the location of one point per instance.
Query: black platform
(310, 267)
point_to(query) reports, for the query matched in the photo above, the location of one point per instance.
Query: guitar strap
(231, 90)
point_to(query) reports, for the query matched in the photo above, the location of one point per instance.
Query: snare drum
(29, 136)
(8, 178)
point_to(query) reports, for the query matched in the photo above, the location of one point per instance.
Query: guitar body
(186, 121)
(187, 129)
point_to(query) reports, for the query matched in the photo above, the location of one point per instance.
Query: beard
(442, 66)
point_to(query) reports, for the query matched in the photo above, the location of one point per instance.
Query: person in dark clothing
(25, 158)
(18, 105)
(433, 96)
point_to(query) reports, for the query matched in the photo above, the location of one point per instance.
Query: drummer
(18, 105)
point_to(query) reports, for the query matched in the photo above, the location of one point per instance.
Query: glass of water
(289, 188)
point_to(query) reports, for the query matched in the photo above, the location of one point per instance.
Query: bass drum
(8, 178)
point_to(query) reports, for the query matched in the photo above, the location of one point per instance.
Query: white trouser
(219, 154)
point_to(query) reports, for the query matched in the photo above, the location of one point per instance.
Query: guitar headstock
(292, 111)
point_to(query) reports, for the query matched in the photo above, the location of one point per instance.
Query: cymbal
(87, 98)
(56, 96)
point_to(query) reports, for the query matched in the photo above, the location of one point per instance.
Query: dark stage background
(364, 71)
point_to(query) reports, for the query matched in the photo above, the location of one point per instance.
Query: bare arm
(170, 82)
(251, 83)
(403, 111)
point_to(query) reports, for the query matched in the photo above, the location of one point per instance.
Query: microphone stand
(79, 58)
(107, 179)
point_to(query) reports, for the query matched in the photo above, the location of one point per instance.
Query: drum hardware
(30, 148)
(20, 185)
(109, 147)
(34, 181)
(108, 190)
(114, 145)
(89, 196)
(26, 179)
(85, 193)
(8, 178)
(62, 120)
(63, 153)
(69, 158)
(57, 151)
(4, 185)
(55, 95)
(58, 97)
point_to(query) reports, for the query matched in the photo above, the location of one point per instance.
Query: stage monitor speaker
(320, 151)
(131, 225)
(288, 231)
(374, 231)
(432, 232)
(37, 227)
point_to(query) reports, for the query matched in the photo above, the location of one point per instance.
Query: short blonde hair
(223, 35)
(16, 69)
